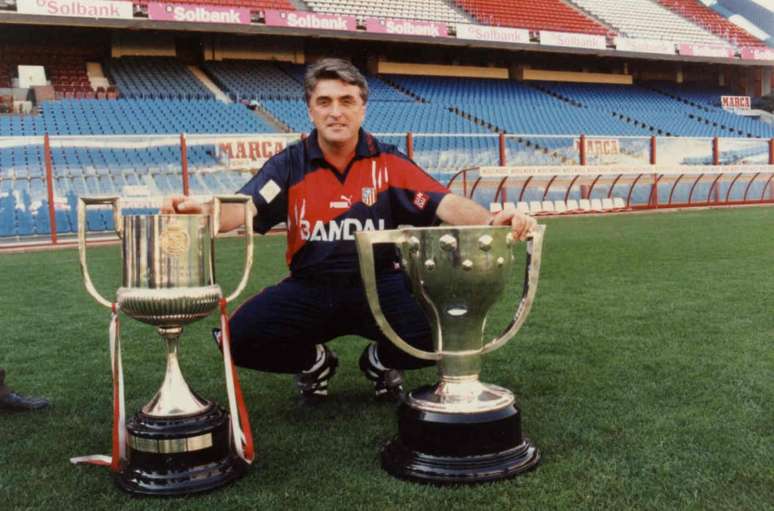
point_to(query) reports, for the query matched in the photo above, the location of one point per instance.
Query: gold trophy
(459, 430)
(179, 442)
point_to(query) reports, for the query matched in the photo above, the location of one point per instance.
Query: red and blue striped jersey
(324, 208)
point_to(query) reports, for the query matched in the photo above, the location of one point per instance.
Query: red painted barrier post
(715, 151)
(584, 189)
(654, 187)
(184, 163)
(410, 145)
(503, 157)
(50, 186)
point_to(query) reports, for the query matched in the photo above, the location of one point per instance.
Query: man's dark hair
(334, 69)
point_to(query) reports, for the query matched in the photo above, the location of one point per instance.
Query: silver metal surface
(170, 446)
(168, 280)
(457, 273)
(174, 398)
(461, 396)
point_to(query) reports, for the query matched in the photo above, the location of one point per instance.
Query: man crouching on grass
(337, 181)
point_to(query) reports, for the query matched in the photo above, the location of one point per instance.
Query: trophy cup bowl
(459, 430)
(178, 443)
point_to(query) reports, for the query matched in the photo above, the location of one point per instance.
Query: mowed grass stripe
(644, 373)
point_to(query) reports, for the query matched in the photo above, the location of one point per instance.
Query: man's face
(337, 111)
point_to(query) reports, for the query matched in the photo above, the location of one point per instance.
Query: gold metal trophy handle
(534, 257)
(82, 203)
(243, 199)
(365, 242)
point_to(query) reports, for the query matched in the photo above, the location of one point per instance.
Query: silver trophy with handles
(459, 430)
(179, 443)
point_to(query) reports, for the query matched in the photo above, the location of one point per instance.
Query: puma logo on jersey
(337, 230)
(345, 202)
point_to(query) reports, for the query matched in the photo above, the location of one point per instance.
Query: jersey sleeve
(414, 194)
(269, 190)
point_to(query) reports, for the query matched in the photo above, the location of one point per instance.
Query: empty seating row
(155, 78)
(559, 207)
(134, 116)
(645, 107)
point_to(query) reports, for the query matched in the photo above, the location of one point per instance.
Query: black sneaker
(388, 383)
(313, 383)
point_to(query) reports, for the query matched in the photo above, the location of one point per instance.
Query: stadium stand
(135, 116)
(247, 80)
(65, 67)
(544, 15)
(711, 21)
(648, 20)
(430, 10)
(155, 78)
(658, 112)
(284, 5)
(514, 107)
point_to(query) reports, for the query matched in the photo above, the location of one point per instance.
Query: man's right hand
(182, 205)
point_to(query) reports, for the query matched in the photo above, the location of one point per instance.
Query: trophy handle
(238, 199)
(83, 202)
(365, 242)
(534, 257)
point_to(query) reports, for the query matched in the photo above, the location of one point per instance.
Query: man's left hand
(521, 224)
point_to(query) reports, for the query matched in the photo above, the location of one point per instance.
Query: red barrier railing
(501, 192)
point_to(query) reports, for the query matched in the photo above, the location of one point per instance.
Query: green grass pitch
(645, 375)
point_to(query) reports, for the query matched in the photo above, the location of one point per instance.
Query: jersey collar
(365, 148)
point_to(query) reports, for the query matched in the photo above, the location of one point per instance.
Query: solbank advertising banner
(198, 13)
(76, 8)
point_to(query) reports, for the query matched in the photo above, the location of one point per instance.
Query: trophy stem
(174, 398)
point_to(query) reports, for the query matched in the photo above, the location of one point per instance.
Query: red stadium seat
(712, 21)
(546, 15)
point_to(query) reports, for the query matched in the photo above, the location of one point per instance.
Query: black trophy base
(455, 448)
(168, 456)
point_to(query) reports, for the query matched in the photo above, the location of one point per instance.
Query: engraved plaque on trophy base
(453, 448)
(169, 456)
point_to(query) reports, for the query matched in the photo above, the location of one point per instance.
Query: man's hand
(182, 205)
(232, 216)
(520, 223)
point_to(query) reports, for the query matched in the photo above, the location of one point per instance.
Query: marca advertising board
(76, 8)
(735, 102)
(198, 13)
(600, 146)
(494, 34)
(406, 27)
(249, 152)
(310, 20)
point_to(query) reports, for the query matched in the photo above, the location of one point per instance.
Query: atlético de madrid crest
(369, 196)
